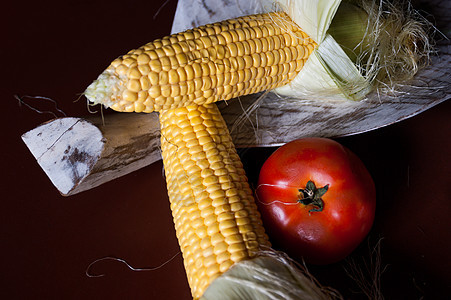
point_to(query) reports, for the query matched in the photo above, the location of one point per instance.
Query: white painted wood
(66, 149)
(78, 154)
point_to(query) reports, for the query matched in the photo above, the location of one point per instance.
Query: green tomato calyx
(312, 196)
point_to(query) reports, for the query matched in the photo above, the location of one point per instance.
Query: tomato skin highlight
(318, 237)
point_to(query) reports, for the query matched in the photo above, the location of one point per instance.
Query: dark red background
(55, 49)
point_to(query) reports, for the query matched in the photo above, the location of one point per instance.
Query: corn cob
(215, 216)
(180, 76)
(214, 62)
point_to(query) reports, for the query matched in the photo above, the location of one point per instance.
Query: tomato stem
(312, 196)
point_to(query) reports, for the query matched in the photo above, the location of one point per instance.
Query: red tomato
(317, 200)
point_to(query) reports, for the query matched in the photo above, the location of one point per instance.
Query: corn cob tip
(104, 90)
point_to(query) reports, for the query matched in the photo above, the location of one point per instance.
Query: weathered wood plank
(78, 154)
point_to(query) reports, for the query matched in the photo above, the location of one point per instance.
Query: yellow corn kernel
(198, 64)
(214, 212)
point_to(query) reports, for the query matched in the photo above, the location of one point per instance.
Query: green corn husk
(363, 45)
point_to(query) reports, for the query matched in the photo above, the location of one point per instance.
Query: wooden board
(78, 154)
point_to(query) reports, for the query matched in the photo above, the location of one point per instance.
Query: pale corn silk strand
(160, 9)
(275, 201)
(90, 274)
(398, 43)
(247, 114)
(367, 271)
(21, 101)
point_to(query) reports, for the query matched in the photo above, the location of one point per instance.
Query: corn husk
(270, 275)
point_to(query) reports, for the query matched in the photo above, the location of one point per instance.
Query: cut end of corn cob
(214, 62)
(105, 89)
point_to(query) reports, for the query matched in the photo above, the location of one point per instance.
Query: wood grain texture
(78, 154)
